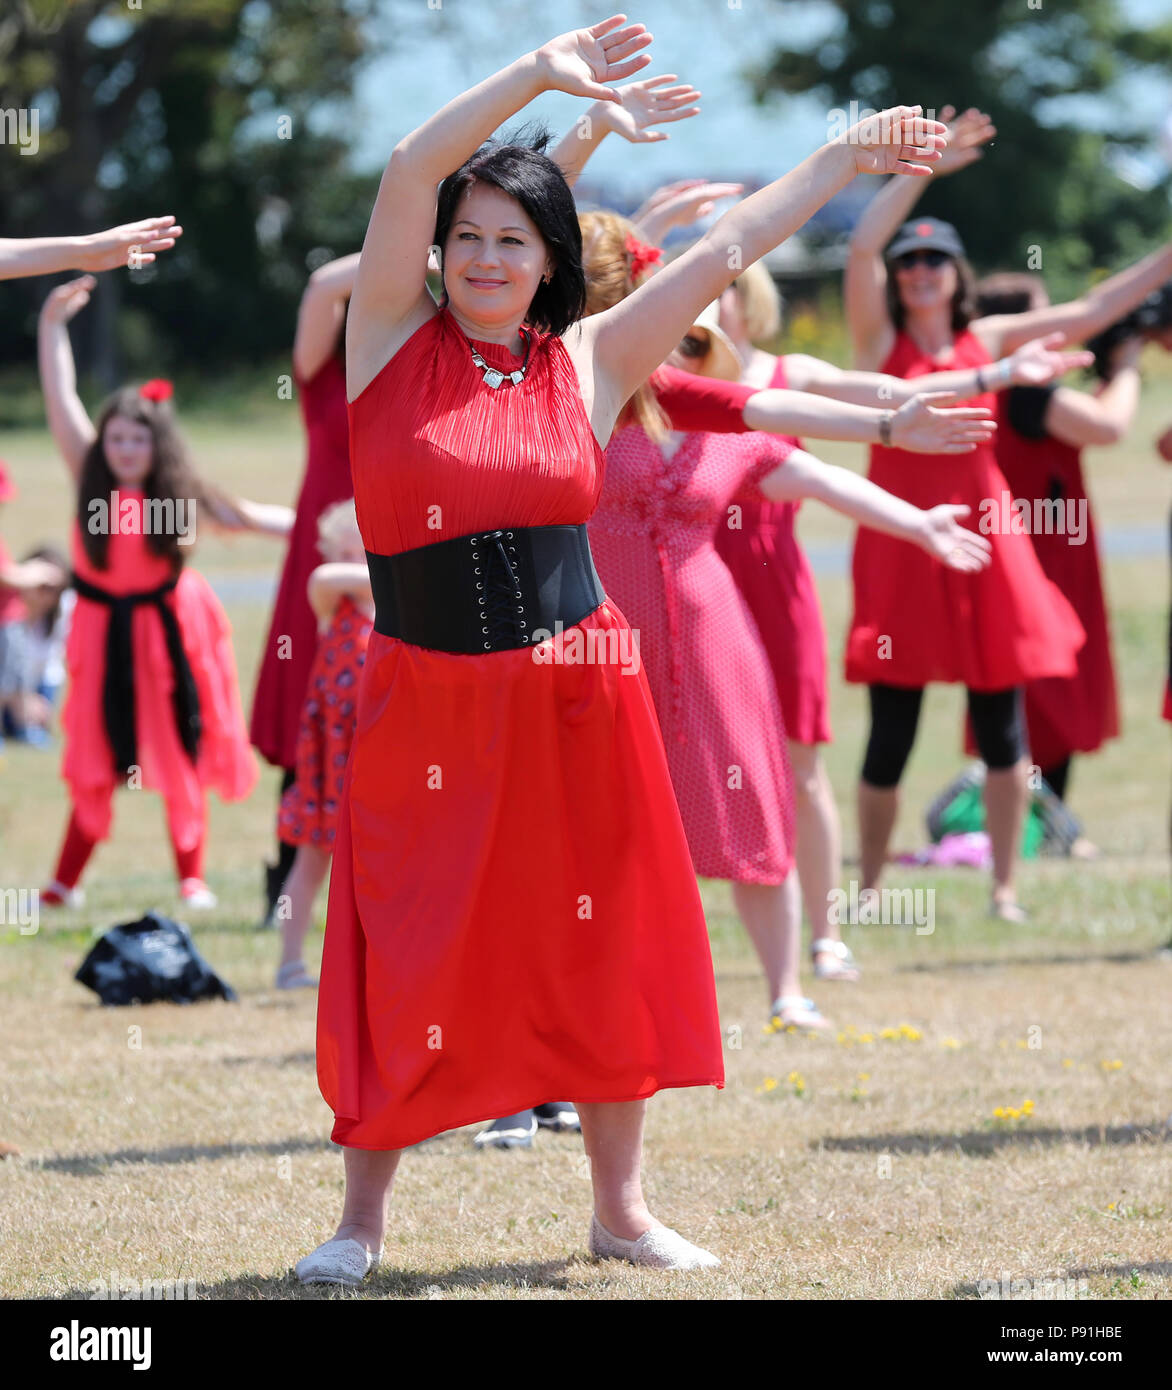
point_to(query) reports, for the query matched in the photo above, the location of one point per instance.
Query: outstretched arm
(641, 105)
(99, 251)
(919, 424)
(938, 531)
(865, 281)
(319, 319)
(1080, 419)
(628, 341)
(390, 299)
(328, 583)
(71, 427)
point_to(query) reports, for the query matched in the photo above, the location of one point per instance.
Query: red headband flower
(641, 255)
(158, 389)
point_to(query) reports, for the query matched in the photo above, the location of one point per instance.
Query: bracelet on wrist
(981, 385)
(885, 428)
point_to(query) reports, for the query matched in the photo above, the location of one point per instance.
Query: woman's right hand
(67, 300)
(966, 134)
(581, 61)
(926, 428)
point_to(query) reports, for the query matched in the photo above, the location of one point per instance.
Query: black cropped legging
(998, 727)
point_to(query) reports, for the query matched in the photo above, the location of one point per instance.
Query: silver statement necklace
(494, 378)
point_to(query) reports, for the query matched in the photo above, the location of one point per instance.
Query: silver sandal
(844, 967)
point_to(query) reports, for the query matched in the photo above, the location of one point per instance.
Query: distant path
(1119, 542)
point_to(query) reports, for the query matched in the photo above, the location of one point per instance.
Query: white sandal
(293, 975)
(658, 1248)
(788, 1005)
(843, 967)
(337, 1262)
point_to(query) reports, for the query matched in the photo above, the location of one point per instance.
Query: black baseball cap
(926, 234)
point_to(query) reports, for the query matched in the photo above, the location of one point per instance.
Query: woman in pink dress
(319, 373)
(153, 699)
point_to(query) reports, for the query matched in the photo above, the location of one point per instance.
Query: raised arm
(1035, 363)
(641, 105)
(938, 531)
(628, 341)
(1080, 419)
(71, 427)
(865, 281)
(99, 251)
(328, 583)
(1080, 318)
(390, 299)
(320, 317)
(679, 205)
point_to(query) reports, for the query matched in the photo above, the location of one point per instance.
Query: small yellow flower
(1012, 1114)
(866, 1037)
(1068, 1061)
(999, 1113)
(794, 1076)
(1110, 1206)
(770, 1083)
(1023, 1042)
(949, 1042)
(910, 1033)
(842, 1038)
(864, 1076)
(889, 1033)
(1027, 1107)
(1110, 1065)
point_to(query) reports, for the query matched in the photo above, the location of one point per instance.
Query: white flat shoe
(337, 1262)
(658, 1248)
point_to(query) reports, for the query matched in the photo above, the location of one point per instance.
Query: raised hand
(581, 61)
(680, 205)
(966, 134)
(113, 248)
(927, 429)
(900, 140)
(651, 102)
(1038, 362)
(67, 300)
(952, 544)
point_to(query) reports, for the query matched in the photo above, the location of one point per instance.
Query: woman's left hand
(1039, 361)
(581, 61)
(925, 428)
(900, 140)
(951, 543)
(647, 103)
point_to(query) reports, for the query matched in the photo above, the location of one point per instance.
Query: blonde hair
(760, 302)
(607, 263)
(337, 525)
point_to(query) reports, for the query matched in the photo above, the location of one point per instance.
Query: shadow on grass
(289, 1059)
(95, 1165)
(1005, 962)
(387, 1283)
(986, 1143)
(1158, 1269)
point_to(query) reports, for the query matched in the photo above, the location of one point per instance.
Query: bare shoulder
(602, 409)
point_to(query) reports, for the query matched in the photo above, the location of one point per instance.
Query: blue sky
(435, 53)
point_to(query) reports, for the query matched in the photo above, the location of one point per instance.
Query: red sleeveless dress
(775, 578)
(225, 763)
(513, 916)
(1079, 713)
(309, 809)
(916, 621)
(284, 670)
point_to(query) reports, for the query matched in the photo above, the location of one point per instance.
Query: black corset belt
(118, 689)
(487, 592)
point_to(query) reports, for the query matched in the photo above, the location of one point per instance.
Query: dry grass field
(867, 1164)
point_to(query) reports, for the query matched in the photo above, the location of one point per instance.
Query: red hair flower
(641, 255)
(158, 389)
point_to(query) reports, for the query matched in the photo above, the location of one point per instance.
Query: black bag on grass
(153, 958)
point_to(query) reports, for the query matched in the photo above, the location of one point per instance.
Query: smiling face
(129, 449)
(494, 259)
(924, 287)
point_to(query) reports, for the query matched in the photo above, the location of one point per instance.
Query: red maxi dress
(513, 916)
(225, 762)
(292, 639)
(916, 621)
(774, 575)
(1074, 714)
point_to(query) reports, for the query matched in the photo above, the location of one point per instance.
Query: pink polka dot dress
(652, 541)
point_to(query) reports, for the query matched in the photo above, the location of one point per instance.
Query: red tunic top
(774, 575)
(292, 640)
(513, 915)
(916, 621)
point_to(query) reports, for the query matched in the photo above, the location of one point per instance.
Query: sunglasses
(933, 259)
(692, 345)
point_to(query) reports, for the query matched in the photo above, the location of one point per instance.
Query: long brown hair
(964, 300)
(608, 263)
(172, 476)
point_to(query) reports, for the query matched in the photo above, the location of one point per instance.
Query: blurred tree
(1044, 182)
(201, 108)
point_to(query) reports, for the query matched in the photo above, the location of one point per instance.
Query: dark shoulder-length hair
(172, 475)
(526, 173)
(964, 301)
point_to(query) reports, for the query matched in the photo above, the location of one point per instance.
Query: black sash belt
(118, 690)
(487, 592)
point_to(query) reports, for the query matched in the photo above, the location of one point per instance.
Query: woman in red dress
(911, 311)
(319, 372)
(339, 594)
(153, 698)
(513, 914)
